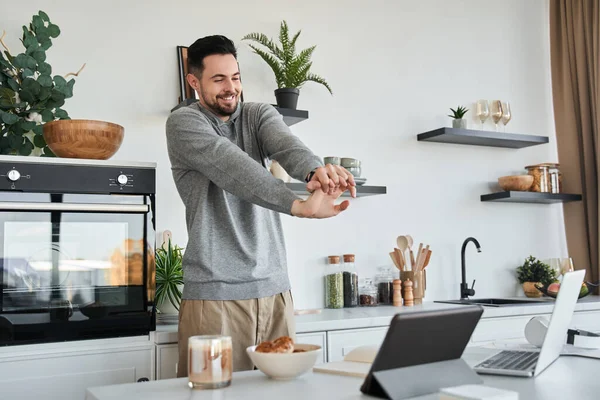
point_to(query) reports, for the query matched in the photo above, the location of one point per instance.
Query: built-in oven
(77, 242)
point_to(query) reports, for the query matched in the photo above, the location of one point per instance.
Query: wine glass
(483, 111)
(555, 264)
(506, 114)
(496, 112)
(566, 265)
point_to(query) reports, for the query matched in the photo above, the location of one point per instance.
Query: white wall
(395, 68)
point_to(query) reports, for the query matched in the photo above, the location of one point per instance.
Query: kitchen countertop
(558, 381)
(367, 317)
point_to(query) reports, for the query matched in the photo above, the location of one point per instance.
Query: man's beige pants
(248, 322)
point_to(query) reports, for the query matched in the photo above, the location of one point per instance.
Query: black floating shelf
(291, 117)
(481, 138)
(361, 191)
(530, 197)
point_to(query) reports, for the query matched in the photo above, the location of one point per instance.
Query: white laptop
(532, 363)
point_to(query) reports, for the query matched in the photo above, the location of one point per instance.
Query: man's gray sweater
(235, 248)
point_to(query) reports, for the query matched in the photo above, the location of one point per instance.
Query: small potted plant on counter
(291, 69)
(458, 121)
(169, 278)
(534, 272)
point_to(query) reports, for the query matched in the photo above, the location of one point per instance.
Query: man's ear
(193, 82)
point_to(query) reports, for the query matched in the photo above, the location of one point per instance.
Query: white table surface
(567, 378)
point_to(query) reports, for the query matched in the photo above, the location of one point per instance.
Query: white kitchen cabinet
(340, 343)
(316, 338)
(66, 371)
(167, 357)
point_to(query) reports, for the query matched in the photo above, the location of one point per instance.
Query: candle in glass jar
(209, 361)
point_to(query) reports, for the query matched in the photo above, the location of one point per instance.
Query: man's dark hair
(207, 46)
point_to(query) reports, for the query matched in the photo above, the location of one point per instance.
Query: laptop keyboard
(512, 360)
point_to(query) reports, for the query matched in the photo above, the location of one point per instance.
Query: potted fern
(169, 278)
(291, 69)
(458, 121)
(533, 272)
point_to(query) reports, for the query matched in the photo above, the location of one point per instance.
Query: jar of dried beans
(334, 283)
(350, 281)
(368, 293)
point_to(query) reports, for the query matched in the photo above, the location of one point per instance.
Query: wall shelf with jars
(542, 184)
(530, 197)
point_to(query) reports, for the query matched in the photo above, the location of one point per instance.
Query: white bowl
(285, 366)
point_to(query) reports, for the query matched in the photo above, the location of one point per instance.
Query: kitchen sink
(495, 302)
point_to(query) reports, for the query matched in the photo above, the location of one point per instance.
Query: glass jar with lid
(541, 177)
(334, 283)
(554, 178)
(350, 281)
(368, 293)
(384, 281)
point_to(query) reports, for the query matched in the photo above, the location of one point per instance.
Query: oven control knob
(13, 175)
(122, 180)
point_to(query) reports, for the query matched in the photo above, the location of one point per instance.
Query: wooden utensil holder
(419, 280)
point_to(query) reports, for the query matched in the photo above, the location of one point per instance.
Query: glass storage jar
(350, 281)
(541, 177)
(385, 290)
(554, 178)
(334, 284)
(368, 293)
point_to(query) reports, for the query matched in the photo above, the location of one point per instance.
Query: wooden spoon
(426, 263)
(393, 257)
(402, 243)
(410, 241)
(400, 258)
(419, 254)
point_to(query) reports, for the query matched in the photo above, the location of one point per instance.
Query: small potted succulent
(534, 273)
(291, 68)
(458, 121)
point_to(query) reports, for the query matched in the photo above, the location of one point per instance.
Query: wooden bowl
(82, 138)
(520, 183)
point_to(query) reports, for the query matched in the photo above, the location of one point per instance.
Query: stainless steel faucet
(465, 292)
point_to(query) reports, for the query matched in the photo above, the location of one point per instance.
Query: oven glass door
(75, 267)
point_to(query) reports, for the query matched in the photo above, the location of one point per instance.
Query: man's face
(219, 87)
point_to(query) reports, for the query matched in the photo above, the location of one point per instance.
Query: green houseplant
(291, 69)
(169, 276)
(458, 121)
(534, 272)
(29, 94)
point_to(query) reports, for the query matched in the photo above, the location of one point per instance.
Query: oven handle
(76, 207)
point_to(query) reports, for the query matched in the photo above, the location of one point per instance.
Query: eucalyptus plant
(169, 274)
(29, 94)
(291, 69)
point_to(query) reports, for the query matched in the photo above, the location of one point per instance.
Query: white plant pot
(166, 308)
(459, 123)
